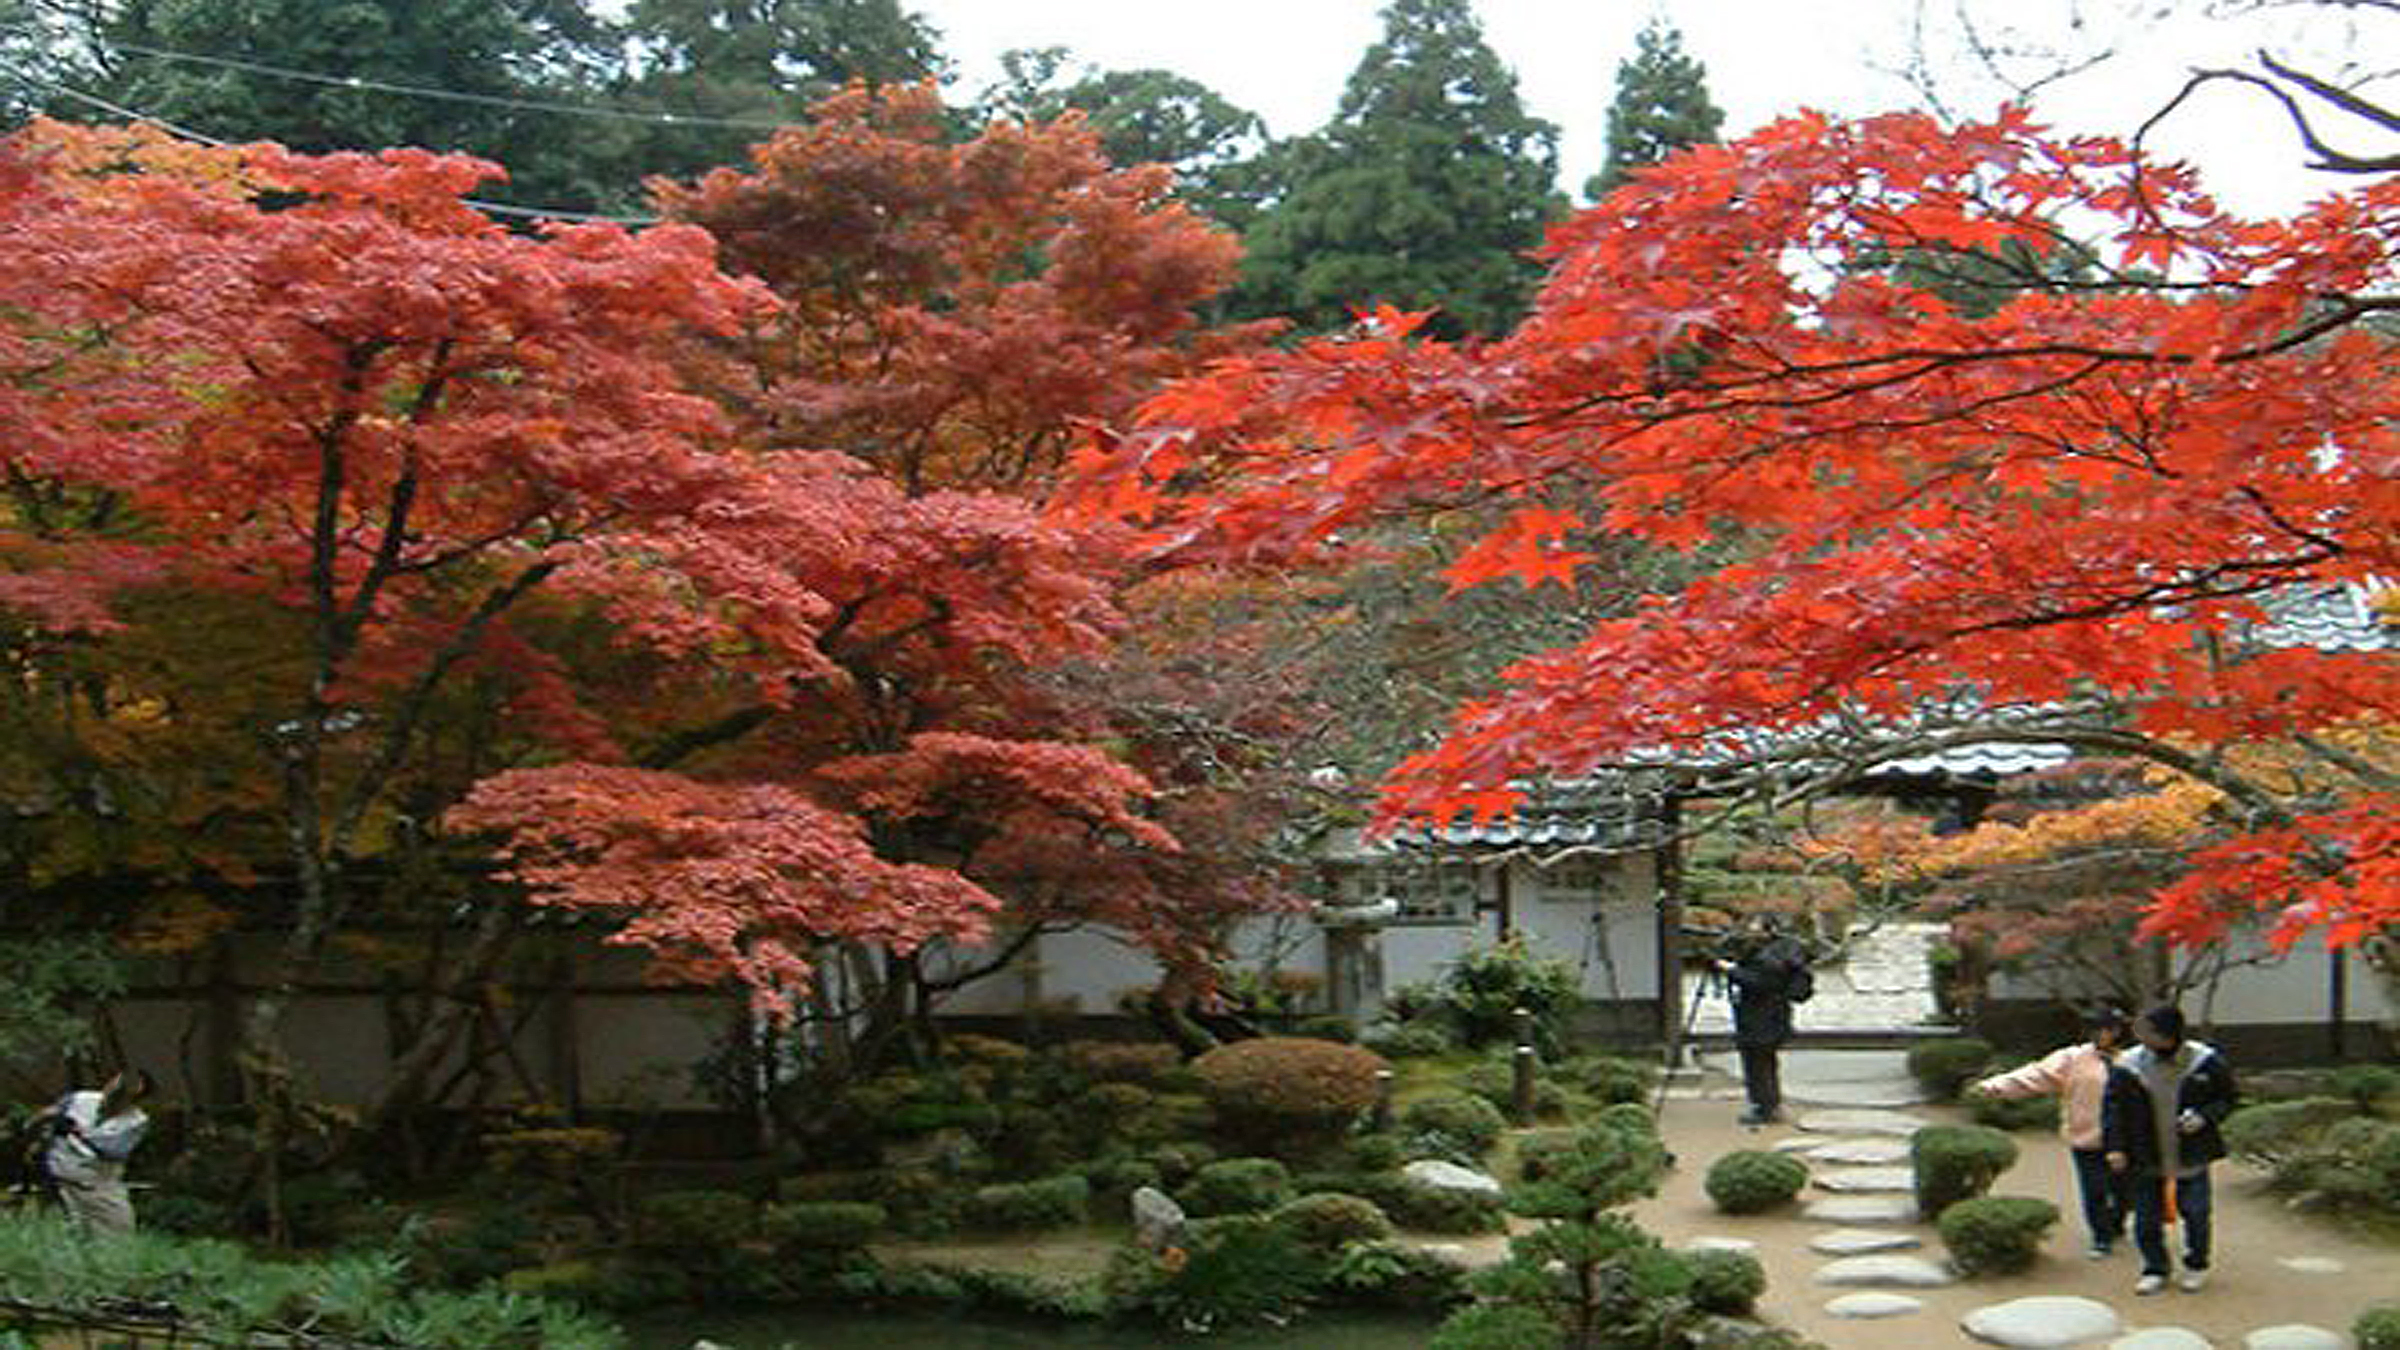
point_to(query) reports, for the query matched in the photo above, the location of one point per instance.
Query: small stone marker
(2162, 1338)
(1434, 1174)
(1882, 1180)
(1744, 1246)
(1157, 1219)
(1861, 1209)
(2294, 1336)
(2045, 1322)
(1864, 1152)
(1873, 1305)
(1860, 1241)
(1900, 1272)
(1860, 1122)
(2312, 1265)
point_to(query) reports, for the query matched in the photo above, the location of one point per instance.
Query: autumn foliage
(2007, 423)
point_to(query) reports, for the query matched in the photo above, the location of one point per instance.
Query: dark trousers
(2192, 1206)
(2105, 1194)
(1762, 1079)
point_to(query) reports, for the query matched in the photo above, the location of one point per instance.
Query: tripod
(1680, 1049)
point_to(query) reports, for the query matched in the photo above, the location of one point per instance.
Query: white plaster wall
(2291, 988)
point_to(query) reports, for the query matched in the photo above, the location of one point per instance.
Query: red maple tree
(2022, 433)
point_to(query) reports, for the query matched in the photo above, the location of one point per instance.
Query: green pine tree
(1426, 191)
(1661, 107)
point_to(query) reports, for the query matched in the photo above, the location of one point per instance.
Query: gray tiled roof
(2330, 618)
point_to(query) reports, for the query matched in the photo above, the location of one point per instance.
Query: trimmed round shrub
(821, 1226)
(1120, 1175)
(1236, 1186)
(1176, 1162)
(1996, 1234)
(1327, 1220)
(1451, 1125)
(2355, 1162)
(1946, 1066)
(1496, 1082)
(1496, 1326)
(1376, 1152)
(2377, 1328)
(1030, 1206)
(1957, 1162)
(1725, 1282)
(1289, 1089)
(684, 1221)
(1426, 1209)
(2272, 1134)
(1753, 1180)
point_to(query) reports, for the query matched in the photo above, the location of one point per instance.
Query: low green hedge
(1030, 1206)
(1996, 1234)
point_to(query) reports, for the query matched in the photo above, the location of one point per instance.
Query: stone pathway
(1881, 984)
(1875, 1267)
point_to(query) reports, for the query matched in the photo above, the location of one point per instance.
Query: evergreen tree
(1146, 116)
(1661, 106)
(1426, 191)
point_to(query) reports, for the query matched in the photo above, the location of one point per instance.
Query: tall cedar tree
(1662, 106)
(2056, 519)
(1428, 190)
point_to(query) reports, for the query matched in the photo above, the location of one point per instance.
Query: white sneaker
(2192, 1281)
(2150, 1284)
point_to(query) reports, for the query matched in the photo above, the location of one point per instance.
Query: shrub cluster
(1957, 1162)
(1996, 1234)
(820, 1226)
(1727, 1283)
(1944, 1067)
(1750, 1181)
(1328, 1220)
(2377, 1328)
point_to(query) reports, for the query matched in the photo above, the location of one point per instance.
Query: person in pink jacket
(2078, 1075)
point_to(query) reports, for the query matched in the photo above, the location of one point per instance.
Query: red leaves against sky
(2071, 486)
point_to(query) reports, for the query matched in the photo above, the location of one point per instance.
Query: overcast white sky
(1287, 59)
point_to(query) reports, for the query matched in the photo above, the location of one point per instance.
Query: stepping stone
(2294, 1336)
(1903, 1272)
(2312, 1265)
(1873, 1305)
(2044, 1322)
(1860, 1241)
(1722, 1244)
(1880, 1179)
(1855, 1094)
(2163, 1338)
(1799, 1143)
(1861, 1209)
(1869, 1152)
(1860, 1122)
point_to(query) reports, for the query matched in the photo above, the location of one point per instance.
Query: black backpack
(1801, 985)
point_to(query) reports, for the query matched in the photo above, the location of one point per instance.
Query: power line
(203, 138)
(453, 95)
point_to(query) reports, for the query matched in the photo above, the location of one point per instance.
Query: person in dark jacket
(1768, 976)
(2158, 1121)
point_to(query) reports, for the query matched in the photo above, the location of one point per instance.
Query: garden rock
(1863, 1306)
(1453, 1255)
(2294, 1336)
(1864, 1121)
(1434, 1174)
(2046, 1322)
(1875, 1179)
(1860, 1241)
(1861, 1209)
(1157, 1219)
(1905, 1272)
(1744, 1246)
(2162, 1338)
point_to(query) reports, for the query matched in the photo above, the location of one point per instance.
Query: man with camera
(1767, 972)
